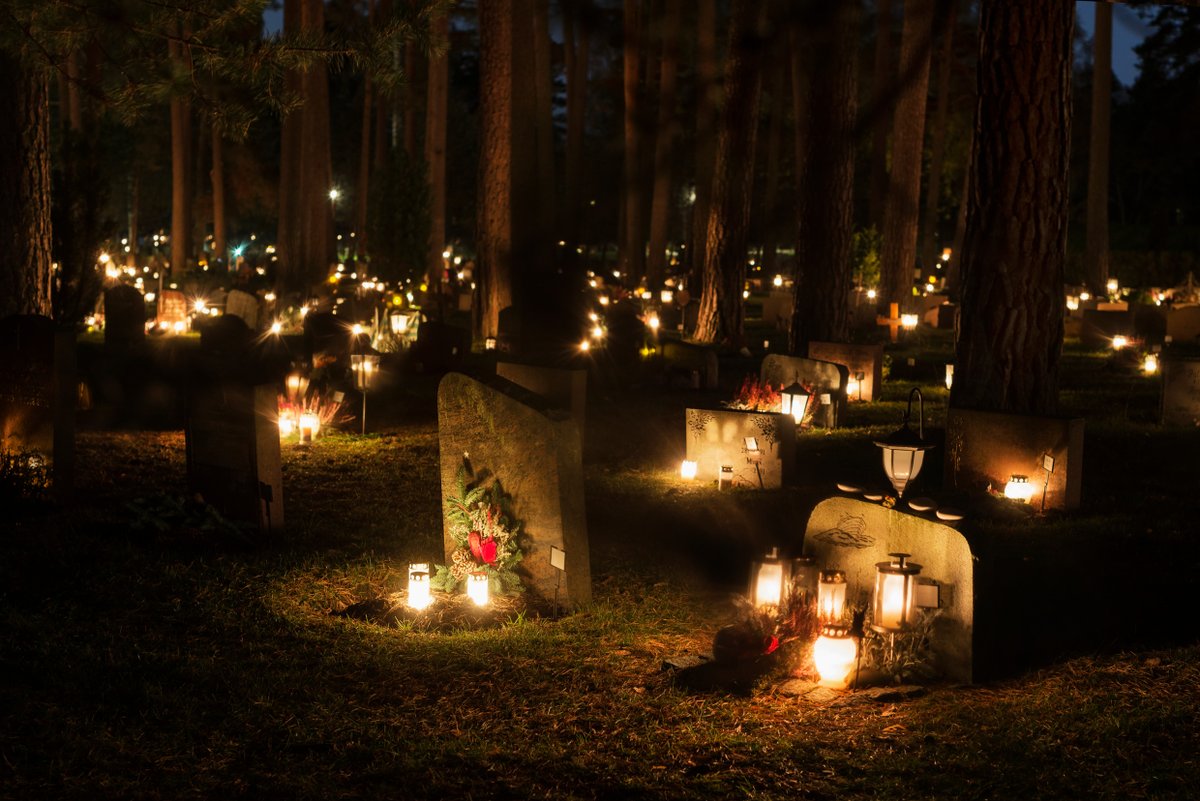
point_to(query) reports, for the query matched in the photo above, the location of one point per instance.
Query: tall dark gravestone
(124, 317)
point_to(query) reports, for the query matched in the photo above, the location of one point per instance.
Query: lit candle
(831, 595)
(687, 469)
(834, 653)
(1018, 488)
(477, 588)
(419, 596)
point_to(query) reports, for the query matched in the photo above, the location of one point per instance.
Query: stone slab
(244, 305)
(1100, 326)
(172, 308)
(562, 388)
(536, 452)
(696, 361)
(852, 535)
(124, 317)
(865, 359)
(232, 438)
(1183, 325)
(1181, 391)
(985, 448)
(777, 309)
(719, 437)
(827, 379)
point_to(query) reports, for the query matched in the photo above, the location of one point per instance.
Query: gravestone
(124, 317)
(326, 338)
(759, 447)
(852, 536)
(225, 336)
(1149, 323)
(1183, 325)
(562, 388)
(244, 306)
(1181, 391)
(697, 364)
(1100, 326)
(777, 309)
(440, 346)
(232, 438)
(173, 310)
(865, 359)
(827, 380)
(985, 448)
(536, 453)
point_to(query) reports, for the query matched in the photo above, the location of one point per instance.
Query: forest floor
(191, 663)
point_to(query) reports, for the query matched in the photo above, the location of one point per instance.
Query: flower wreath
(486, 537)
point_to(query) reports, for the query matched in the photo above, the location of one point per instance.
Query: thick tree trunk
(953, 269)
(937, 156)
(527, 204)
(578, 55)
(882, 87)
(287, 240)
(664, 146)
(770, 217)
(181, 174)
(411, 100)
(707, 101)
(316, 241)
(134, 190)
(493, 225)
(362, 191)
(821, 292)
(436, 111)
(899, 255)
(383, 111)
(25, 202)
(633, 251)
(721, 306)
(218, 196)
(543, 85)
(1096, 256)
(801, 69)
(1011, 321)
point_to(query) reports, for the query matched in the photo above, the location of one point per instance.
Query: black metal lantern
(794, 401)
(904, 450)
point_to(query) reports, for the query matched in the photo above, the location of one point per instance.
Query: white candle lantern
(1019, 488)
(908, 321)
(1072, 303)
(1150, 364)
(805, 576)
(1112, 286)
(904, 450)
(667, 297)
(287, 423)
(1120, 341)
(949, 376)
(489, 343)
(310, 426)
(366, 368)
(794, 401)
(831, 596)
(768, 580)
(894, 590)
(399, 323)
(854, 387)
(477, 588)
(834, 653)
(725, 476)
(687, 470)
(419, 596)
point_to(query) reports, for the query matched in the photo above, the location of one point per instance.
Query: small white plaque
(825, 399)
(558, 557)
(1048, 463)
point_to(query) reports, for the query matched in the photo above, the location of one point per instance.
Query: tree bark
(1096, 255)
(436, 111)
(316, 241)
(721, 306)
(25, 277)
(543, 85)
(527, 239)
(287, 239)
(1011, 321)
(882, 87)
(633, 256)
(937, 156)
(770, 217)
(801, 71)
(707, 100)
(362, 191)
(900, 217)
(218, 196)
(821, 290)
(664, 146)
(493, 222)
(181, 174)
(383, 112)
(578, 55)
(953, 269)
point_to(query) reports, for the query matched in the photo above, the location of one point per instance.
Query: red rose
(487, 551)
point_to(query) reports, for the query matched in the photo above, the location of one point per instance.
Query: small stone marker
(758, 447)
(244, 305)
(695, 361)
(537, 455)
(233, 451)
(777, 309)
(828, 382)
(892, 321)
(1181, 391)
(865, 359)
(562, 388)
(173, 310)
(124, 317)
(1183, 325)
(852, 536)
(985, 448)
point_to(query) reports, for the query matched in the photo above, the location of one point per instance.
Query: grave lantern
(489, 343)
(895, 583)
(1085, 295)
(794, 401)
(297, 386)
(398, 322)
(1150, 364)
(949, 376)
(687, 469)
(777, 281)
(805, 575)
(854, 386)
(725, 476)
(1112, 286)
(365, 365)
(477, 588)
(1019, 488)
(909, 321)
(310, 426)
(1072, 303)
(768, 580)
(1119, 341)
(287, 423)
(834, 653)
(419, 596)
(667, 297)
(831, 595)
(904, 450)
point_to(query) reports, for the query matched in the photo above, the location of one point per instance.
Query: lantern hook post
(920, 411)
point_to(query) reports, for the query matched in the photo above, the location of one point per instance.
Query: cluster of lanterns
(420, 593)
(894, 604)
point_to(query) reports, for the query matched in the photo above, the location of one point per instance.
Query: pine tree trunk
(721, 306)
(1014, 253)
(1096, 256)
(435, 143)
(181, 174)
(953, 272)
(317, 245)
(493, 224)
(882, 88)
(25, 202)
(134, 190)
(770, 215)
(218, 196)
(287, 241)
(362, 191)
(383, 111)
(899, 255)
(543, 86)
(937, 156)
(633, 251)
(821, 291)
(801, 69)
(664, 146)
(707, 99)
(526, 204)
(578, 55)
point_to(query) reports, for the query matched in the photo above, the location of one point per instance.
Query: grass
(186, 665)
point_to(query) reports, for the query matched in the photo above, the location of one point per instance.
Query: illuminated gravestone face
(1181, 391)
(757, 447)
(564, 389)
(827, 380)
(244, 305)
(124, 317)
(172, 311)
(864, 359)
